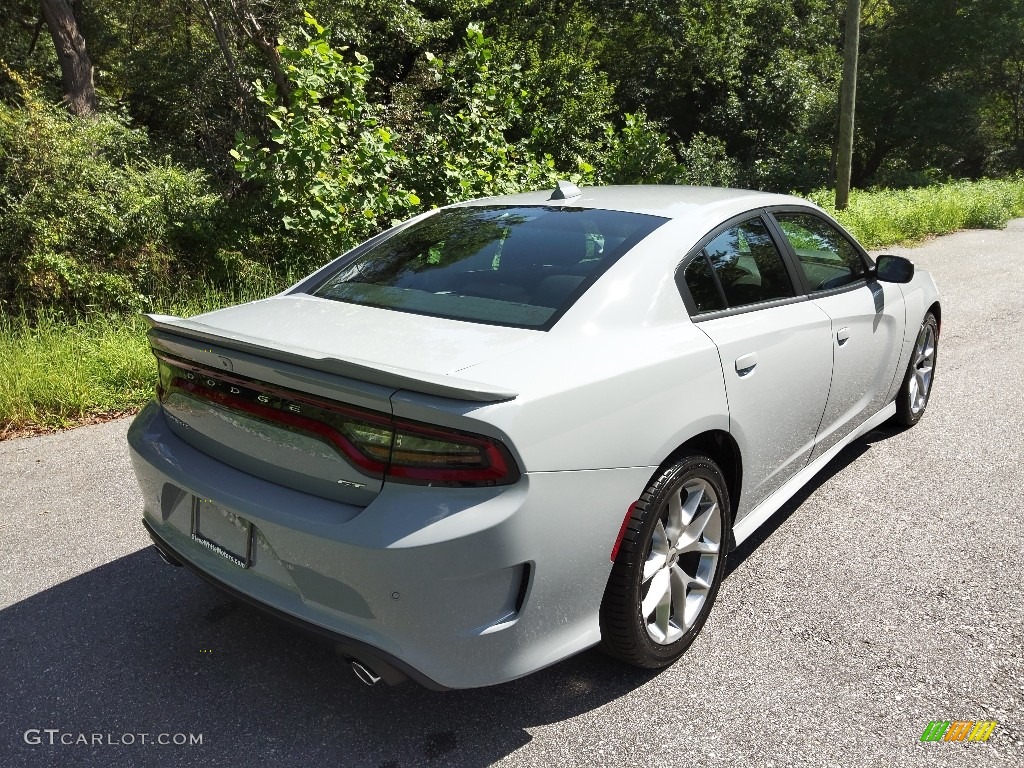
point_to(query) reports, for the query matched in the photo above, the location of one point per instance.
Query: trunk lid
(371, 335)
(283, 388)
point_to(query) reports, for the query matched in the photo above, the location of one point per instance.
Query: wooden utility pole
(847, 103)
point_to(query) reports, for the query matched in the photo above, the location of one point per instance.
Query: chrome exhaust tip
(364, 674)
(166, 558)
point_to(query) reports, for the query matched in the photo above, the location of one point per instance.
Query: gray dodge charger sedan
(514, 428)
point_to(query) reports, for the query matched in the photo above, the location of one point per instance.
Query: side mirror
(894, 269)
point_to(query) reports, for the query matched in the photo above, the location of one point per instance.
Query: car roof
(668, 201)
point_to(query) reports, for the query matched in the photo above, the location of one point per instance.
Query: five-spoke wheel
(682, 562)
(917, 384)
(669, 565)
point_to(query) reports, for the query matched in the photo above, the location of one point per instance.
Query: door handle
(745, 364)
(842, 336)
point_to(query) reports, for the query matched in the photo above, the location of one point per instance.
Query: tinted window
(503, 265)
(748, 265)
(828, 259)
(702, 286)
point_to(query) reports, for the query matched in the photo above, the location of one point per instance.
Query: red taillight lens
(438, 456)
(376, 443)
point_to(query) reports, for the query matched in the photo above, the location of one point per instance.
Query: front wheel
(917, 384)
(669, 566)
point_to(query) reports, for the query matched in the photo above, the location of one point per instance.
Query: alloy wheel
(924, 367)
(680, 567)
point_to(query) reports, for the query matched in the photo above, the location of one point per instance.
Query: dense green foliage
(89, 217)
(330, 169)
(238, 141)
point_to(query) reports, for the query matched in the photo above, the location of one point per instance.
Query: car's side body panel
(775, 404)
(866, 340)
(607, 401)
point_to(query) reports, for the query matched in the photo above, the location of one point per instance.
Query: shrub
(704, 161)
(89, 220)
(459, 149)
(638, 153)
(337, 172)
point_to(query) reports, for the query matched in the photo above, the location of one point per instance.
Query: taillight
(431, 455)
(378, 444)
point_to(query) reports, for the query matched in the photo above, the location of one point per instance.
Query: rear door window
(521, 266)
(748, 265)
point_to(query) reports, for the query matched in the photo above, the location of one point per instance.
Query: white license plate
(222, 531)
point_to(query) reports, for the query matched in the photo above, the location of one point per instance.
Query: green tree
(330, 167)
(928, 103)
(459, 146)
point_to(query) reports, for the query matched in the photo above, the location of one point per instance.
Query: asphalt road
(887, 595)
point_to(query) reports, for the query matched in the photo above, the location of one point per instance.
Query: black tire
(909, 406)
(624, 631)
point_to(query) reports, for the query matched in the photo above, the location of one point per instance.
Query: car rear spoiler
(374, 373)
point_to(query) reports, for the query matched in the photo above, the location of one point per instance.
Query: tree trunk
(847, 103)
(35, 37)
(866, 171)
(251, 28)
(75, 65)
(225, 49)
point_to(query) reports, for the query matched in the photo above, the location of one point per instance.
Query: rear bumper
(391, 670)
(454, 588)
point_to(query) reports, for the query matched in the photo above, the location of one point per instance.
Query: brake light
(431, 455)
(378, 444)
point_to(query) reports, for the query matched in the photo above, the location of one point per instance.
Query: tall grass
(56, 372)
(880, 218)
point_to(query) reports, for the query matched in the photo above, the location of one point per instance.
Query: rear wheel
(917, 384)
(669, 565)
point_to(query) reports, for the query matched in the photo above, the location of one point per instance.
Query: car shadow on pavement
(136, 646)
(845, 458)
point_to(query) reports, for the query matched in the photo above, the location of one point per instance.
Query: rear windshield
(502, 265)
